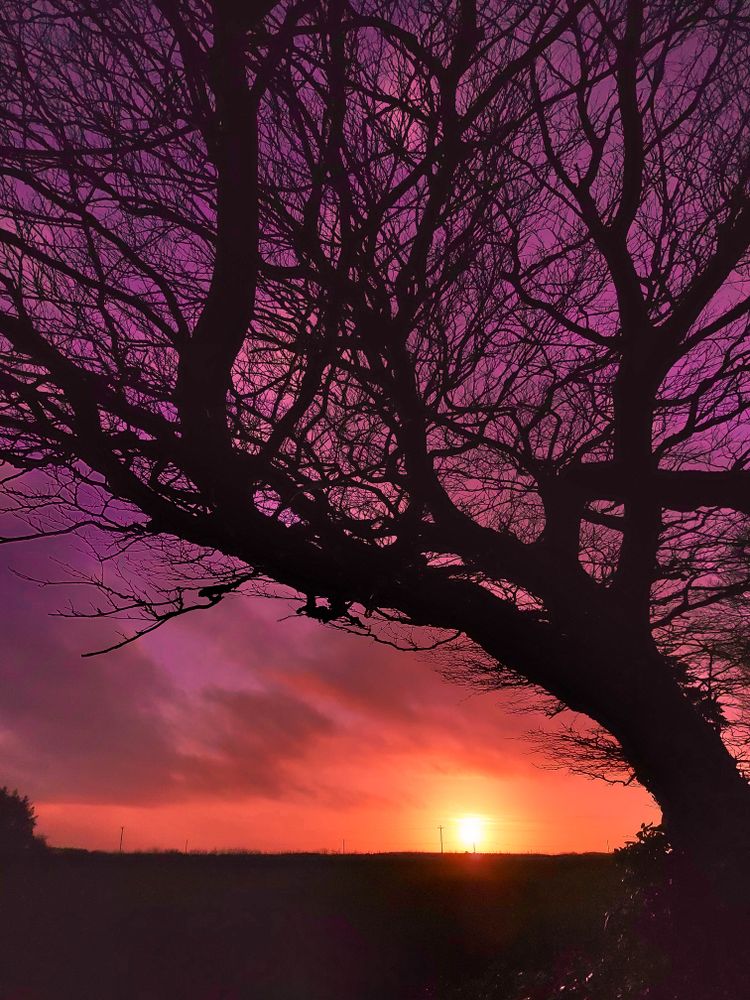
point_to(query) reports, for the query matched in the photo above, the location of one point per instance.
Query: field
(290, 927)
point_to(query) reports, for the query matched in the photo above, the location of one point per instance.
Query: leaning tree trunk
(678, 756)
(599, 664)
(681, 759)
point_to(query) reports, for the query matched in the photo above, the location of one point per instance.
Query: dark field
(292, 927)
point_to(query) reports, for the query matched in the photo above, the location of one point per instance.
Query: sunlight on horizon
(470, 831)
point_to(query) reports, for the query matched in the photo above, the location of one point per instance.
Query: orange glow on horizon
(470, 831)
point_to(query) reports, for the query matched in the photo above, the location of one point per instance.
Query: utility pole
(343, 847)
(441, 838)
(122, 831)
(186, 843)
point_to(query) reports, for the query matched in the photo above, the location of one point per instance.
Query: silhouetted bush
(17, 823)
(663, 939)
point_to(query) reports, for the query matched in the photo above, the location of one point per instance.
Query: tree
(434, 313)
(17, 822)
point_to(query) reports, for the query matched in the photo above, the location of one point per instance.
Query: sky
(246, 728)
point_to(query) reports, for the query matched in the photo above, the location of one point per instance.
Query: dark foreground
(292, 927)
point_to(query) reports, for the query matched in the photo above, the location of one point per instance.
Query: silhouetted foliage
(652, 946)
(17, 823)
(646, 855)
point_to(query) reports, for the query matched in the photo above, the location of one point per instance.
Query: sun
(470, 830)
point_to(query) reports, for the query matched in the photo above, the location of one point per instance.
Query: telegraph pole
(441, 838)
(122, 831)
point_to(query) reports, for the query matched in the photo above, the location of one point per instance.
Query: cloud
(119, 728)
(236, 710)
(247, 741)
(231, 704)
(388, 700)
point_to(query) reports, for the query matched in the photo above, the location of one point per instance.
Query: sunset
(240, 731)
(470, 831)
(374, 499)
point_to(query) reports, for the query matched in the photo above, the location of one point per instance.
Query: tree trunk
(681, 759)
(678, 756)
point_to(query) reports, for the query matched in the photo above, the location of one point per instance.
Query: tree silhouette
(17, 822)
(434, 313)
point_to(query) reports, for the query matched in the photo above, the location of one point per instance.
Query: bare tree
(433, 312)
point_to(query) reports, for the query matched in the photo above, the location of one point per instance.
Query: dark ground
(290, 927)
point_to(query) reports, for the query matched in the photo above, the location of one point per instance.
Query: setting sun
(470, 831)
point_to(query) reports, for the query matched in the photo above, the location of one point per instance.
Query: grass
(290, 927)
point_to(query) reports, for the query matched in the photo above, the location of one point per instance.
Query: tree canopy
(433, 312)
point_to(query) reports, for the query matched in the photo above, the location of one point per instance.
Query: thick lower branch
(685, 490)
